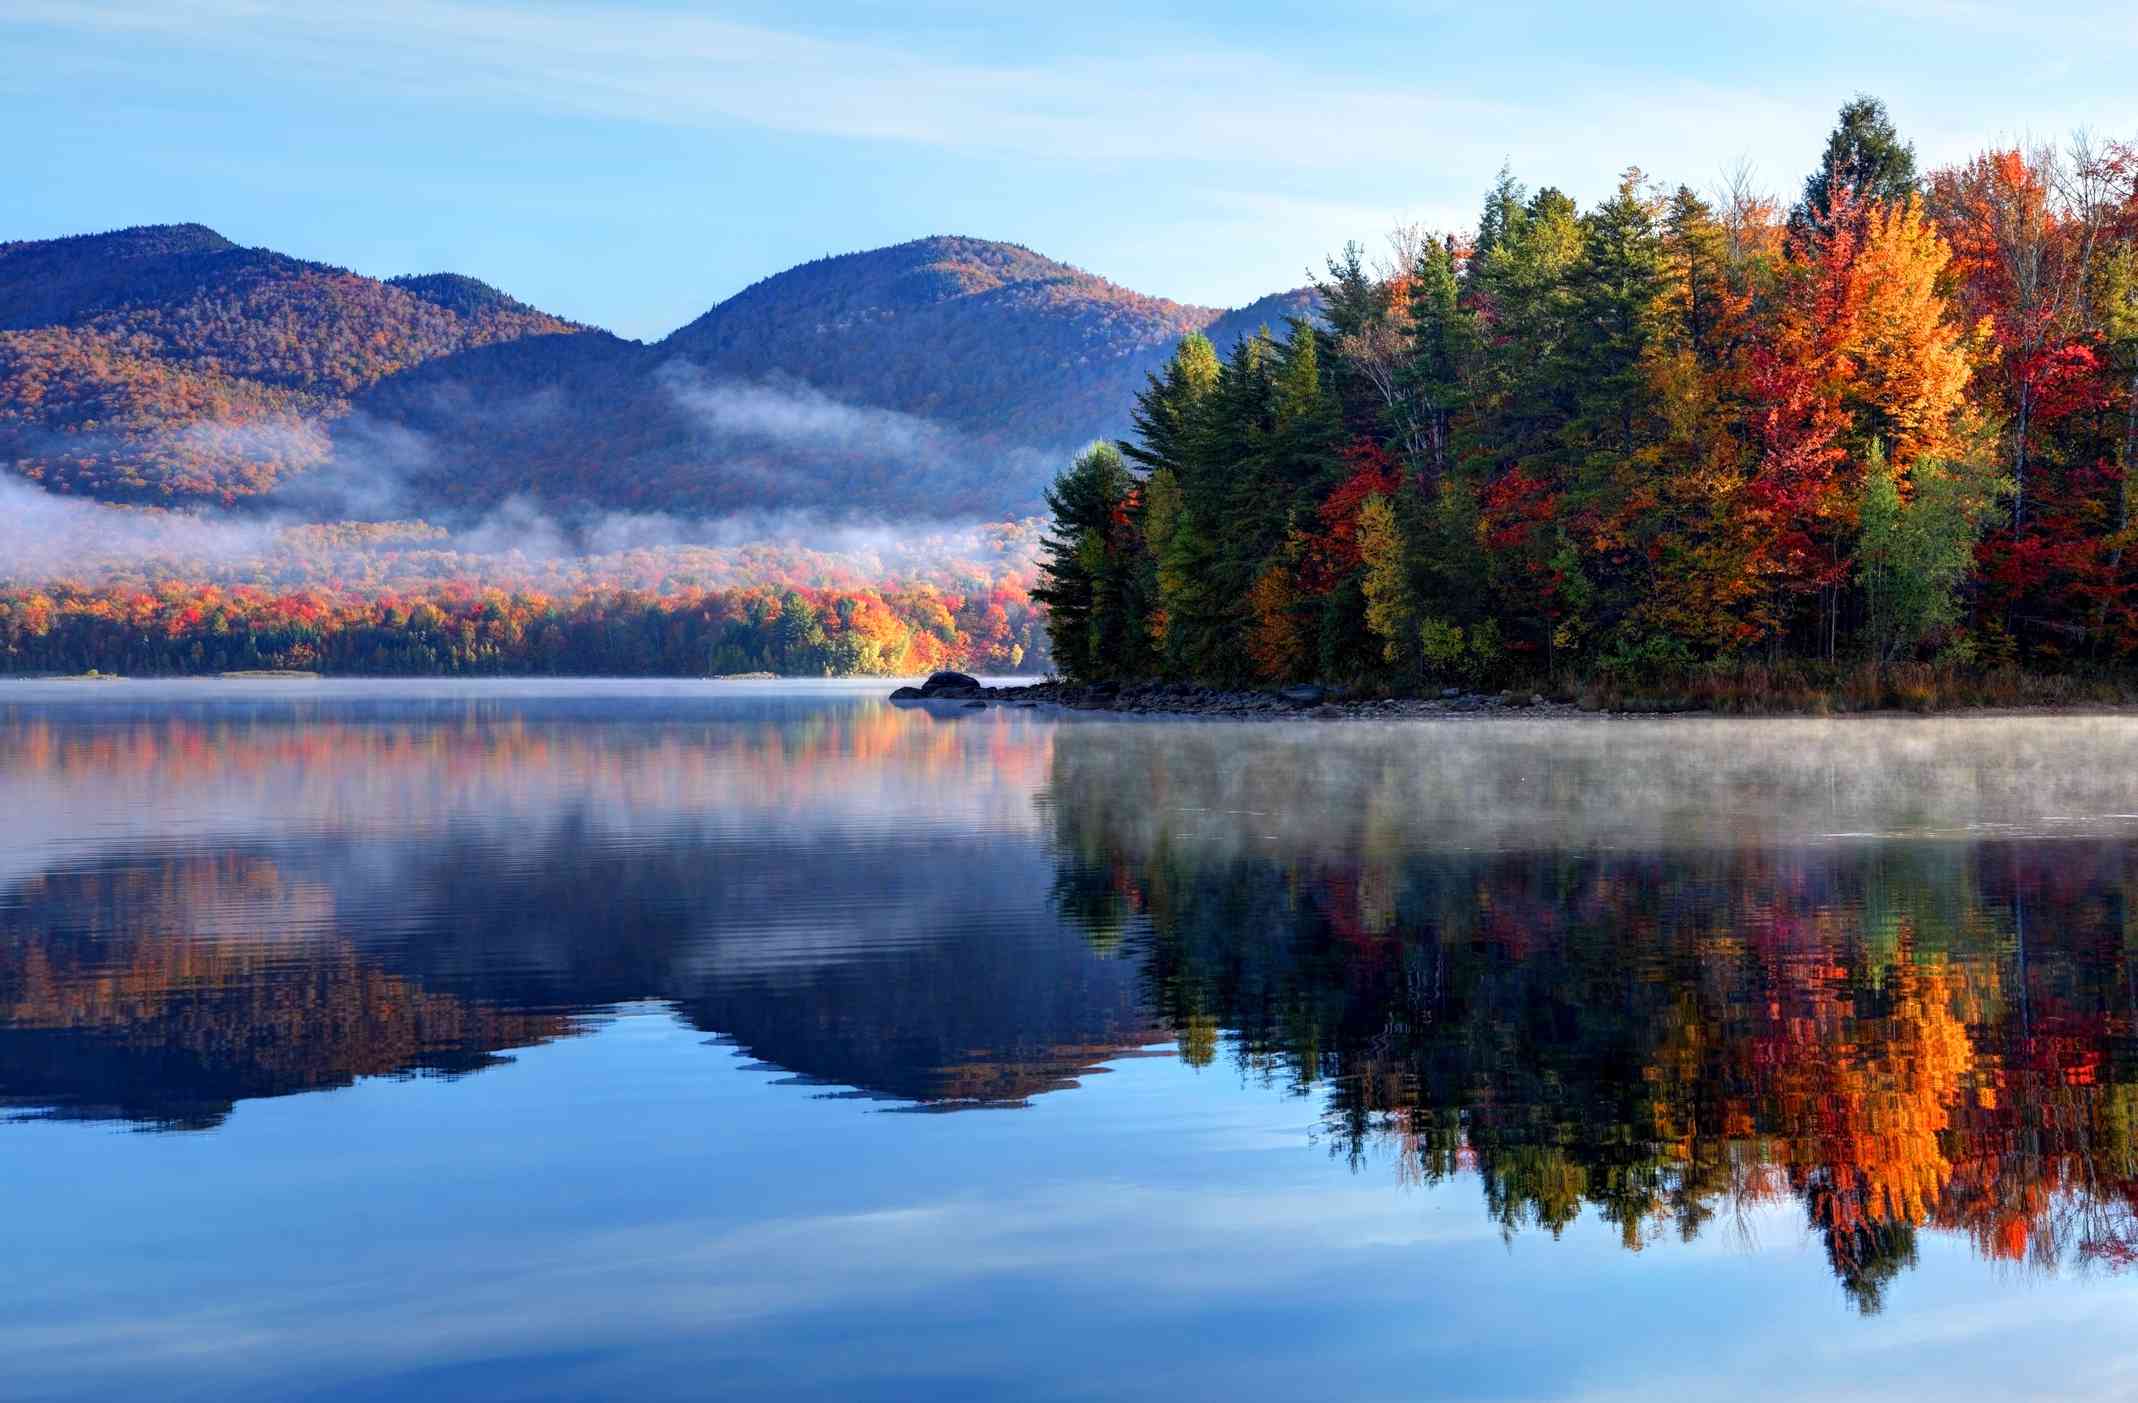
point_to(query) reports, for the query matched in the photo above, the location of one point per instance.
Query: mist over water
(472, 1023)
(1630, 783)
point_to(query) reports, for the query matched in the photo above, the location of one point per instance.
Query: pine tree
(1616, 291)
(1087, 564)
(1504, 213)
(1865, 155)
(1444, 343)
(1613, 436)
(1522, 285)
(1167, 408)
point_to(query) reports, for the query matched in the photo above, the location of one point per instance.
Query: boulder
(944, 681)
(1305, 696)
(908, 694)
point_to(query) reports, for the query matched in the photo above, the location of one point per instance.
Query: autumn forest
(1710, 441)
(1869, 444)
(396, 599)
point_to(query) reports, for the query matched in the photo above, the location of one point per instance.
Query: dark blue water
(769, 1041)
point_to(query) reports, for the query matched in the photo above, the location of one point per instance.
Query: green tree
(1913, 553)
(800, 637)
(1391, 613)
(1444, 342)
(1522, 280)
(1087, 565)
(1863, 153)
(1168, 407)
(1615, 288)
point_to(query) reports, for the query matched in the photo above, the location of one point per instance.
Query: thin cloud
(1211, 104)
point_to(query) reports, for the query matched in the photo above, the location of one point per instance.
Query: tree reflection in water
(1613, 971)
(1670, 1038)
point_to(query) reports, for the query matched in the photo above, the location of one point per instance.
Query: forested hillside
(478, 470)
(166, 364)
(938, 380)
(1709, 438)
(988, 338)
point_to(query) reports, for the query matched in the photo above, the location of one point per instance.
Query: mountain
(168, 364)
(943, 377)
(947, 377)
(991, 339)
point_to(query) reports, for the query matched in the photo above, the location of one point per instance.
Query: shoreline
(1187, 701)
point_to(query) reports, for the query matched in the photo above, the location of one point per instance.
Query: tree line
(1890, 424)
(181, 628)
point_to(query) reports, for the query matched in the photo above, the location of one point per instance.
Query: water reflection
(141, 992)
(1673, 975)
(219, 906)
(1898, 1035)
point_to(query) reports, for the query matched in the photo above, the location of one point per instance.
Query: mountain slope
(168, 364)
(947, 377)
(988, 338)
(1273, 313)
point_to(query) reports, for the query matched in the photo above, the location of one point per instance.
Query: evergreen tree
(1863, 153)
(1087, 565)
(1696, 271)
(1167, 408)
(1522, 283)
(1615, 288)
(1504, 212)
(1444, 342)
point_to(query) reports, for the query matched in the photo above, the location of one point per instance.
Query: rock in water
(944, 681)
(908, 694)
(1305, 696)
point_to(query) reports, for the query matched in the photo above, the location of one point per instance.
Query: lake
(768, 1040)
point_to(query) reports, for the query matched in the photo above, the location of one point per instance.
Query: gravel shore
(1184, 699)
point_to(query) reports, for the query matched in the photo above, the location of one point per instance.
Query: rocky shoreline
(956, 689)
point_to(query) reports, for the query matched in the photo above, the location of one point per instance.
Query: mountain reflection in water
(1879, 973)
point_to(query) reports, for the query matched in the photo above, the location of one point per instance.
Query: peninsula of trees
(1886, 429)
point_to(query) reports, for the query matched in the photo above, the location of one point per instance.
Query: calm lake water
(642, 1040)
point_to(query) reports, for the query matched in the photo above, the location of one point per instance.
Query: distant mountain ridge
(167, 364)
(945, 376)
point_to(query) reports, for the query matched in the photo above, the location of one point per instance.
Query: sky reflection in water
(1476, 1059)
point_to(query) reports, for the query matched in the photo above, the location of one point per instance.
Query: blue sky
(629, 162)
